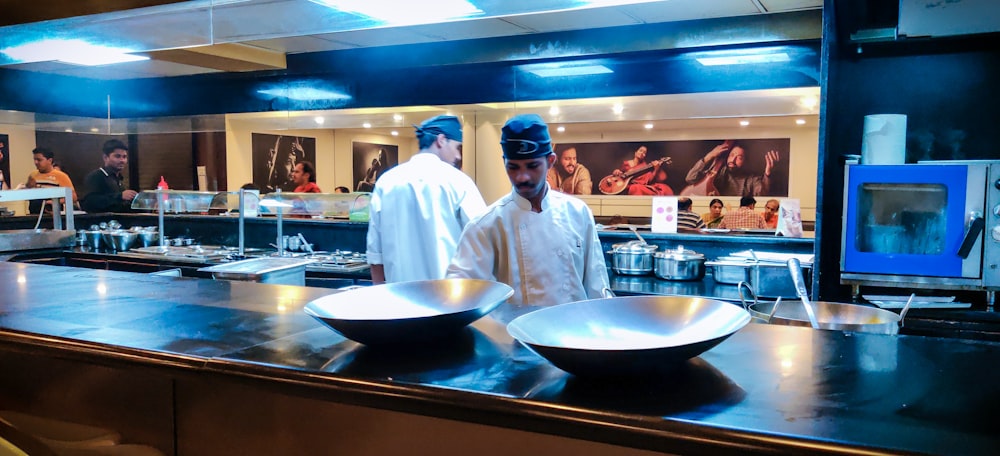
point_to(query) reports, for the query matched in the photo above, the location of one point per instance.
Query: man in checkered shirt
(744, 217)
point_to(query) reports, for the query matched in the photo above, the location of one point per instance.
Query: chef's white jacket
(549, 257)
(417, 212)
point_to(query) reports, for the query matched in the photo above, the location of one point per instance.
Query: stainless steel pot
(679, 264)
(632, 258)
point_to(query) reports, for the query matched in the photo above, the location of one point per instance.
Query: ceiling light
(77, 52)
(744, 123)
(561, 129)
(742, 56)
(618, 108)
(304, 94)
(554, 111)
(648, 126)
(809, 102)
(800, 121)
(68, 130)
(561, 70)
(396, 12)
(394, 133)
(95, 130)
(319, 120)
(397, 117)
(366, 125)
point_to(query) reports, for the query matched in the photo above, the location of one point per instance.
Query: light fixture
(95, 130)
(366, 125)
(304, 94)
(770, 54)
(800, 121)
(618, 108)
(399, 13)
(68, 130)
(548, 70)
(561, 129)
(78, 52)
(397, 117)
(744, 123)
(554, 111)
(319, 120)
(809, 102)
(648, 126)
(394, 133)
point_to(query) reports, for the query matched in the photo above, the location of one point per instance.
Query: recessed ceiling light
(68, 130)
(397, 117)
(400, 13)
(554, 111)
(809, 102)
(366, 125)
(95, 129)
(648, 126)
(304, 94)
(744, 123)
(618, 108)
(561, 129)
(744, 59)
(394, 133)
(78, 52)
(319, 120)
(800, 121)
(562, 70)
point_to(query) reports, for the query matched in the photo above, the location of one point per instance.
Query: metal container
(91, 239)
(768, 279)
(679, 264)
(632, 258)
(730, 271)
(406, 312)
(119, 240)
(148, 238)
(14, 240)
(627, 336)
(283, 271)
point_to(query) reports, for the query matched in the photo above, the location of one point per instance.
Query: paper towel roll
(884, 140)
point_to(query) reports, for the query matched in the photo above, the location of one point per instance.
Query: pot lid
(633, 247)
(680, 254)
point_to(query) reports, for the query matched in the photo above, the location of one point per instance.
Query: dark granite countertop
(767, 388)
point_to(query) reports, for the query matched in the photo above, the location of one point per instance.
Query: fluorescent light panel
(580, 70)
(398, 12)
(304, 94)
(78, 52)
(744, 59)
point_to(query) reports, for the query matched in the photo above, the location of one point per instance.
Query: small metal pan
(829, 315)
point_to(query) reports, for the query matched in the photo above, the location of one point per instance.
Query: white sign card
(790, 218)
(664, 217)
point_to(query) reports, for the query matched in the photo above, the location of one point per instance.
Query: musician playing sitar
(652, 182)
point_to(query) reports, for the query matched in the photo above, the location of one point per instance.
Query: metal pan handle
(739, 289)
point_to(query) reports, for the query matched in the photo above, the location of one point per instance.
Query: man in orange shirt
(304, 176)
(771, 213)
(45, 175)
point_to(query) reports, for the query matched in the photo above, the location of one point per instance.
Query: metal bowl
(119, 240)
(627, 336)
(408, 311)
(148, 238)
(92, 239)
(830, 315)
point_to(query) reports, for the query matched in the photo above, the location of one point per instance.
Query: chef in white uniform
(540, 242)
(419, 208)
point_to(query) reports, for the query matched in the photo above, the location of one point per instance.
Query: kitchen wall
(22, 142)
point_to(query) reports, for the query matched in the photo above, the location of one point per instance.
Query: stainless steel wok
(408, 311)
(627, 336)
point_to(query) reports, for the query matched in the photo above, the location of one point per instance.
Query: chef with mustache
(541, 242)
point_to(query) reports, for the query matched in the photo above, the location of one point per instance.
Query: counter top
(767, 388)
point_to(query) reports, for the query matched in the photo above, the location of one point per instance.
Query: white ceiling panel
(685, 10)
(781, 6)
(299, 44)
(464, 30)
(130, 70)
(573, 20)
(379, 37)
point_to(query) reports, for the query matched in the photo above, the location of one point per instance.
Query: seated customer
(771, 213)
(304, 176)
(686, 218)
(744, 217)
(714, 216)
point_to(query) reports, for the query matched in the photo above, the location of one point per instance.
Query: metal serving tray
(275, 270)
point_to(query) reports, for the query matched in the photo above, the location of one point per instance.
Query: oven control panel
(991, 243)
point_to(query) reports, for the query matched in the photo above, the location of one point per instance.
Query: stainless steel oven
(925, 225)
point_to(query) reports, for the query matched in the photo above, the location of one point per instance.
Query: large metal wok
(408, 311)
(627, 336)
(829, 315)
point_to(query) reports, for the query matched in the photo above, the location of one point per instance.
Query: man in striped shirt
(686, 218)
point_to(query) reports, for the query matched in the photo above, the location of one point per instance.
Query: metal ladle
(636, 233)
(800, 287)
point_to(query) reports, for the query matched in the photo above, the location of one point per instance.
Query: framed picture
(4, 162)
(274, 157)
(370, 161)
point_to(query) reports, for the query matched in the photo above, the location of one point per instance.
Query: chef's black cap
(525, 136)
(449, 126)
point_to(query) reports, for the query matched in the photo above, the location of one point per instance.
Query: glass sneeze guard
(349, 206)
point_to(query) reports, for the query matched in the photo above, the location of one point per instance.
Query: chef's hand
(770, 159)
(129, 195)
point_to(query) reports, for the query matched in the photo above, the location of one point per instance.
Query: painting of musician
(721, 172)
(569, 175)
(638, 176)
(274, 158)
(371, 161)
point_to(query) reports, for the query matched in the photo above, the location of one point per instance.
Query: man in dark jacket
(105, 187)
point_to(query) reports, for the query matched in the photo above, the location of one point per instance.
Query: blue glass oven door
(905, 219)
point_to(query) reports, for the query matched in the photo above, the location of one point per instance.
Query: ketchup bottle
(163, 186)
